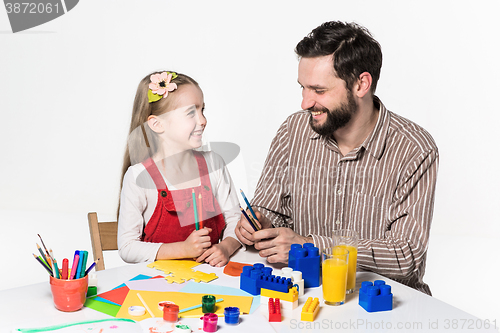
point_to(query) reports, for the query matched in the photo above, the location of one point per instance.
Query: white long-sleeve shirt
(139, 197)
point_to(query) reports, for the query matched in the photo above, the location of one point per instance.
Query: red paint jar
(171, 312)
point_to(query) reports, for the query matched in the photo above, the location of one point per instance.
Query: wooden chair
(103, 236)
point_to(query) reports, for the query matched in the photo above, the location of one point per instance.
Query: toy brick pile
(282, 288)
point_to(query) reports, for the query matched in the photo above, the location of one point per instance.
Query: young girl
(162, 173)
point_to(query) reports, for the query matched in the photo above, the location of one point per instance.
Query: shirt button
(164, 193)
(339, 192)
(206, 187)
(338, 222)
(188, 204)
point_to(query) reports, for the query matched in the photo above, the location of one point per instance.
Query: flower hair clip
(160, 86)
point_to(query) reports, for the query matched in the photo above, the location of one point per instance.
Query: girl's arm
(134, 202)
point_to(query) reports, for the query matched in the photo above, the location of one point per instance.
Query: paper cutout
(213, 289)
(183, 300)
(104, 307)
(180, 271)
(154, 284)
(115, 295)
(234, 268)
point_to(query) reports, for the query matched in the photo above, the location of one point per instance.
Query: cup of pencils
(68, 285)
(69, 295)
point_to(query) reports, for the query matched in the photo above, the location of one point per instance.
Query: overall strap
(153, 171)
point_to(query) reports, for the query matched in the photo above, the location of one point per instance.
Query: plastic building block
(255, 277)
(310, 309)
(288, 300)
(306, 259)
(374, 297)
(291, 296)
(274, 310)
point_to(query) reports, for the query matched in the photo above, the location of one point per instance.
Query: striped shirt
(384, 190)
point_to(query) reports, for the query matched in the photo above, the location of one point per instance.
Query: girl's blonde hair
(142, 142)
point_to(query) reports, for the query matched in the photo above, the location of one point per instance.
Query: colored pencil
(197, 225)
(248, 205)
(198, 306)
(91, 266)
(254, 226)
(41, 262)
(145, 305)
(64, 274)
(200, 211)
(56, 270)
(41, 252)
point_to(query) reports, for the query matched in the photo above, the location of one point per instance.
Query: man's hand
(274, 243)
(244, 230)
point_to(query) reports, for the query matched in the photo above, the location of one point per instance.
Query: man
(346, 162)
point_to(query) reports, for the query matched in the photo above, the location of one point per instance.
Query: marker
(64, 275)
(79, 265)
(248, 205)
(84, 263)
(74, 268)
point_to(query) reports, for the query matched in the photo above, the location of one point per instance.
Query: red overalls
(175, 206)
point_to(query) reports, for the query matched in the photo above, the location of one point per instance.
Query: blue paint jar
(232, 315)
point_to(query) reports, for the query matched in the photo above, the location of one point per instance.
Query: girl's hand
(218, 255)
(197, 243)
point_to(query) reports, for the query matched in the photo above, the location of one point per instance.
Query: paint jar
(210, 322)
(232, 315)
(69, 295)
(171, 312)
(208, 304)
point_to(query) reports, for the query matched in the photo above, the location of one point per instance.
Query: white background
(66, 92)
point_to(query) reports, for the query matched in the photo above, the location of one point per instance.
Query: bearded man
(346, 162)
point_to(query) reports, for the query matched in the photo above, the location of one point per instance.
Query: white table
(31, 306)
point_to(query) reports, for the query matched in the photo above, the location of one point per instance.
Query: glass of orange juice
(348, 239)
(335, 269)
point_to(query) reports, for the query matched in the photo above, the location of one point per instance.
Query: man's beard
(336, 118)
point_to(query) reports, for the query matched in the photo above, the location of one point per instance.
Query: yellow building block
(310, 309)
(291, 296)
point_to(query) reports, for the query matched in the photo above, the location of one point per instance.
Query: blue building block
(255, 277)
(374, 297)
(307, 260)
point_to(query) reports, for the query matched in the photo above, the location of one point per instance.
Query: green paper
(109, 309)
(153, 97)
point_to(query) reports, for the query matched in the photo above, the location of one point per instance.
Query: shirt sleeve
(272, 196)
(133, 203)
(225, 194)
(403, 249)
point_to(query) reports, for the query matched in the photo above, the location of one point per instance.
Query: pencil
(200, 211)
(248, 205)
(91, 266)
(41, 252)
(145, 305)
(254, 226)
(197, 225)
(56, 269)
(41, 262)
(47, 257)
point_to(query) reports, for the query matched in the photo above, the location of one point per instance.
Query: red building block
(274, 310)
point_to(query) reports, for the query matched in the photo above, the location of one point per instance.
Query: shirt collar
(375, 142)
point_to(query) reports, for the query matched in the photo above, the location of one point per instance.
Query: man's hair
(354, 50)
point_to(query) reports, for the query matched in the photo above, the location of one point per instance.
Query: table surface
(31, 306)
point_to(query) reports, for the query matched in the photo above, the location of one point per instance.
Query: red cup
(69, 295)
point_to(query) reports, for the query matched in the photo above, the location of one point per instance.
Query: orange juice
(334, 280)
(351, 272)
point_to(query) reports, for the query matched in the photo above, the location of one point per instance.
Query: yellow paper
(183, 300)
(180, 271)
